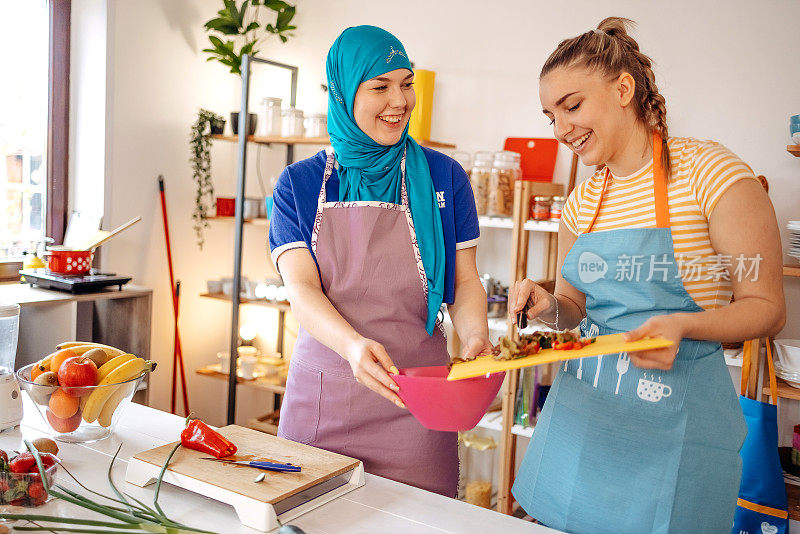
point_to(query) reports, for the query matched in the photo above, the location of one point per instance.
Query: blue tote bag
(762, 507)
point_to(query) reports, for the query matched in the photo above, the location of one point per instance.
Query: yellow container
(419, 126)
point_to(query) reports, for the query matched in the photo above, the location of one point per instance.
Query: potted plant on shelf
(238, 23)
(207, 123)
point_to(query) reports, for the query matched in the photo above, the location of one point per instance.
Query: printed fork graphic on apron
(623, 362)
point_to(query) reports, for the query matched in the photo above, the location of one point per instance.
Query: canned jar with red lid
(540, 208)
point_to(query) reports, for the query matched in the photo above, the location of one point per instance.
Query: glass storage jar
(317, 125)
(270, 122)
(540, 208)
(556, 207)
(505, 172)
(477, 467)
(292, 123)
(480, 176)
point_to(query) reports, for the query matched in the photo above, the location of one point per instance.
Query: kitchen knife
(258, 464)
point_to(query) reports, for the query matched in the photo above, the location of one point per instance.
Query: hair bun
(615, 26)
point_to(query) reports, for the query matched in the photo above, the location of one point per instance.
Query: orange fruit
(57, 358)
(64, 425)
(36, 371)
(63, 405)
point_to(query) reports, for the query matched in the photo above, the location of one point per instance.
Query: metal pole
(293, 102)
(239, 218)
(237, 254)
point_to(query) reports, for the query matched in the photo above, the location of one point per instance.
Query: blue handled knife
(261, 464)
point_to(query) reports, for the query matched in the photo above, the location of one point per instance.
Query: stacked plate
(787, 365)
(794, 239)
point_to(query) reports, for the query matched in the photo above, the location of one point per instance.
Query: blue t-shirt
(295, 206)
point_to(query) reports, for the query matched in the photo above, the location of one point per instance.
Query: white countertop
(381, 505)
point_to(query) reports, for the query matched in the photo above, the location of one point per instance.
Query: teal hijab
(371, 171)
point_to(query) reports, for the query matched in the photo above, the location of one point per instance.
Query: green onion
(135, 518)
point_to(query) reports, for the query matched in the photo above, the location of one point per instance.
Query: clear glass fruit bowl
(79, 414)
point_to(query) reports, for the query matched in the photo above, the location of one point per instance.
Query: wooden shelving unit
(521, 226)
(791, 270)
(274, 383)
(307, 141)
(282, 306)
(258, 221)
(785, 391)
(794, 150)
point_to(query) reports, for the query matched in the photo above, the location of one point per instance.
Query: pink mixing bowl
(442, 405)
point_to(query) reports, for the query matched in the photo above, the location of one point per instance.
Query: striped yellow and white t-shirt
(701, 173)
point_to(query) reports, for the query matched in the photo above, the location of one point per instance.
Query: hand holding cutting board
(668, 327)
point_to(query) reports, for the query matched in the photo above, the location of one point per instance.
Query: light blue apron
(620, 449)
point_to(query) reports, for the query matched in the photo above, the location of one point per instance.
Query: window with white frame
(24, 56)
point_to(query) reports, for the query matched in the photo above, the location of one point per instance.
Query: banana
(44, 363)
(127, 371)
(68, 344)
(107, 413)
(112, 364)
(79, 347)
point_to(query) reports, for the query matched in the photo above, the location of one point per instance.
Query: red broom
(177, 355)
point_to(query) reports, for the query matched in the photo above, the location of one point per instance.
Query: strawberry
(22, 463)
(48, 460)
(36, 490)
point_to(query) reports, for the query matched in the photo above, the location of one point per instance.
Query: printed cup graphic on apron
(652, 391)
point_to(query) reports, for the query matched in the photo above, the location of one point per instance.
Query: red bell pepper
(199, 436)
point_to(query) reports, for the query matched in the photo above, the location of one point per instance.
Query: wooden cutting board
(610, 344)
(235, 484)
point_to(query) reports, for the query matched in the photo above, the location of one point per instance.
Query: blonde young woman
(654, 244)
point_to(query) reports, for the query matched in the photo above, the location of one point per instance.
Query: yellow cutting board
(609, 344)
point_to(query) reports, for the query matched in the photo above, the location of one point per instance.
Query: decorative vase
(252, 119)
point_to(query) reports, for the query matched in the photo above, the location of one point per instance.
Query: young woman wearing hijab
(648, 441)
(371, 237)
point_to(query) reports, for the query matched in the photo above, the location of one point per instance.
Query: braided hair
(610, 50)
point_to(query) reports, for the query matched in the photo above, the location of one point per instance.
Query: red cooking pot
(73, 262)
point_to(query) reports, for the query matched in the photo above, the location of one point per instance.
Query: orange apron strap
(660, 184)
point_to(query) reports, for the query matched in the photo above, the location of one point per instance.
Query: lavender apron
(371, 271)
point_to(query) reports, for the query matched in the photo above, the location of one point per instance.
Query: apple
(75, 374)
(64, 425)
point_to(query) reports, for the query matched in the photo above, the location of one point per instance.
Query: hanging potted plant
(240, 26)
(207, 123)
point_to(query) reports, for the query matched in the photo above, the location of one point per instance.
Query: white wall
(726, 75)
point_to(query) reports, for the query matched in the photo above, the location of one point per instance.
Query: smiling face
(383, 105)
(594, 117)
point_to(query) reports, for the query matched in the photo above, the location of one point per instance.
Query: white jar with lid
(317, 125)
(292, 119)
(270, 122)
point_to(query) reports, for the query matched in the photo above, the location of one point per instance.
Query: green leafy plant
(201, 169)
(239, 24)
